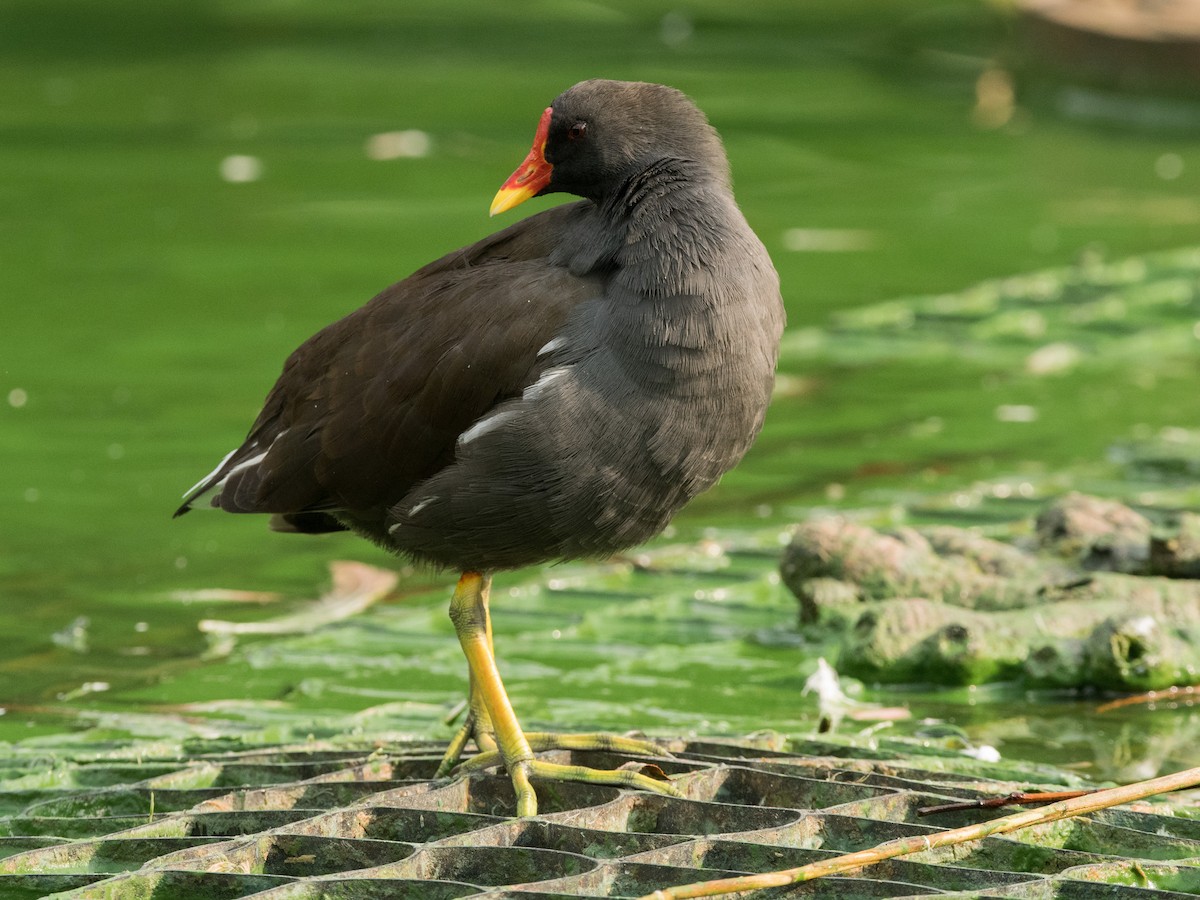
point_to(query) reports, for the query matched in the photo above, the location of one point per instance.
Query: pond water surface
(191, 193)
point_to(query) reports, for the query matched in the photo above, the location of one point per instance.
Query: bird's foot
(552, 740)
(488, 753)
(523, 771)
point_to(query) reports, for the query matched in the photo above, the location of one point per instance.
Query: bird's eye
(577, 131)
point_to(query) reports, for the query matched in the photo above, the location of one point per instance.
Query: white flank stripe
(551, 345)
(547, 378)
(484, 425)
(417, 507)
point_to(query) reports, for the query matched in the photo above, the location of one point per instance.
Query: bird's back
(373, 404)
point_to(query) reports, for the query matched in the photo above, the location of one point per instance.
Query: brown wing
(374, 403)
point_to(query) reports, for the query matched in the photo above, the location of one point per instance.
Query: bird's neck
(657, 229)
(663, 185)
(676, 221)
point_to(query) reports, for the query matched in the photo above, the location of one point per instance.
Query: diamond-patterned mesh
(292, 823)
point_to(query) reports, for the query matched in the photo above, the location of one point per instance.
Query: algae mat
(320, 820)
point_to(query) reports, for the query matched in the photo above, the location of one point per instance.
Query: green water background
(148, 303)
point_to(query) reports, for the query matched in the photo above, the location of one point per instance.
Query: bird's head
(599, 134)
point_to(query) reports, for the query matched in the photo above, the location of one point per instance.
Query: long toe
(453, 754)
(599, 741)
(471, 729)
(627, 778)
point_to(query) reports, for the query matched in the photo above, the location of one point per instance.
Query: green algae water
(188, 195)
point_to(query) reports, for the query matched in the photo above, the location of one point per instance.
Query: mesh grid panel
(293, 823)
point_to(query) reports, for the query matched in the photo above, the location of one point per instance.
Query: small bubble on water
(1169, 166)
(410, 144)
(241, 169)
(1016, 412)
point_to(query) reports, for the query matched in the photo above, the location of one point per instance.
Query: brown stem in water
(1088, 803)
(1167, 695)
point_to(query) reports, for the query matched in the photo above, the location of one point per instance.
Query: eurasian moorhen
(557, 390)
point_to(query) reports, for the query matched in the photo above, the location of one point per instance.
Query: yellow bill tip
(508, 197)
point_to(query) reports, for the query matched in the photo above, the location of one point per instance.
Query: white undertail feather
(211, 484)
(244, 464)
(195, 489)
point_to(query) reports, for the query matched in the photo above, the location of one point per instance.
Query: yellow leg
(492, 720)
(477, 724)
(468, 612)
(485, 734)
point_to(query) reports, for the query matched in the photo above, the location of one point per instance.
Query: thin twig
(1088, 803)
(1172, 694)
(1016, 798)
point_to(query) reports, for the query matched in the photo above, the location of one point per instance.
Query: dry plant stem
(1016, 798)
(839, 865)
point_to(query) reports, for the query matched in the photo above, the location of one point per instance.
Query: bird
(556, 391)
